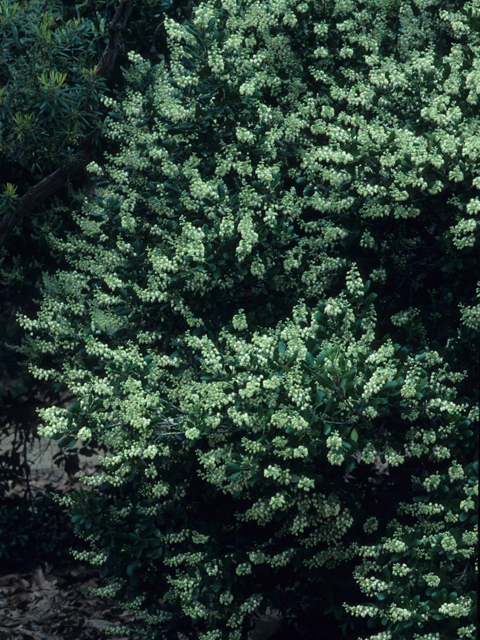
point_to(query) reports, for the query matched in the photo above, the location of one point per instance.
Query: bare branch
(114, 40)
(52, 183)
(46, 187)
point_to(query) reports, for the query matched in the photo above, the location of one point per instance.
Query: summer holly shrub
(268, 317)
(48, 103)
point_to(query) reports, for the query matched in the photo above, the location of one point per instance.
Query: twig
(462, 575)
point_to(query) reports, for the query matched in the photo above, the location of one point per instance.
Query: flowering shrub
(262, 405)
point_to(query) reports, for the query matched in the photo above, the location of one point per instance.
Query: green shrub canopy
(48, 88)
(269, 319)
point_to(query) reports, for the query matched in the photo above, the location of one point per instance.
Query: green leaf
(281, 349)
(77, 518)
(390, 138)
(155, 553)
(326, 382)
(217, 585)
(328, 406)
(318, 400)
(67, 441)
(233, 468)
(369, 299)
(292, 358)
(132, 567)
(195, 593)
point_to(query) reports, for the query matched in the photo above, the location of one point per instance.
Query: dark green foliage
(33, 529)
(40, 128)
(267, 314)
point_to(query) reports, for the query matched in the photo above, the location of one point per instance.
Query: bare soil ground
(52, 600)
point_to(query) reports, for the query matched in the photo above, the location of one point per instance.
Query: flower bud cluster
(354, 282)
(458, 609)
(370, 525)
(216, 196)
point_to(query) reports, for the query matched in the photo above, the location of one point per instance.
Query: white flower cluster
(432, 579)
(84, 434)
(334, 308)
(393, 457)
(378, 275)
(251, 603)
(306, 484)
(192, 434)
(439, 452)
(140, 63)
(108, 591)
(278, 502)
(467, 505)
(226, 597)
(244, 135)
(369, 454)
(401, 569)
(55, 421)
(367, 240)
(258, 268)
(471, 314)
(432, 482)
(394, 546)
(370, 525)
(334, 443)
(464, 233)
(470, 537)
(239, 321)
(458, 609)
(380, 377)
(396, 614)
(244, 569)
(402, 318)
(362, 610)
(282, 476)
(249, 237)
(455, 471)
(354, 282)
(372, 586)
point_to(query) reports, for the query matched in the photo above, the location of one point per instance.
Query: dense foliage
(49, 90)
(49, 112)
(268, 315)
(48, 100)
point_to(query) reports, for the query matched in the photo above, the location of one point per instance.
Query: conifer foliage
(270, 319)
